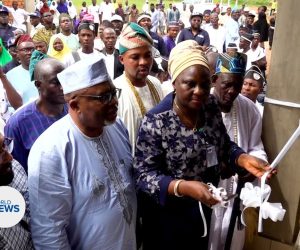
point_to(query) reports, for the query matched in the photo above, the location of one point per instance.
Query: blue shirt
(170, 44)
(20, 80)
(25, 126)
(81, 190)
(158, 43)
(202, 37)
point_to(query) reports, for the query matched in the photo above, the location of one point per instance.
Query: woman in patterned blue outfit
(181, 146)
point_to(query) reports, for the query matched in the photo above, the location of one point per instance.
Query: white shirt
(216, 37)
(129, 110)
(69, 59)
(35, 29)
(71, 40)
(72, 11)
(95, 11)
(19, 16)
(107, 10)
(232, 32)
(110, 64)
(249, 128)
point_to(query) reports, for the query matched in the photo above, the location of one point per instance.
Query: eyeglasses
(105, 98)
(7, 145)
(27, 50)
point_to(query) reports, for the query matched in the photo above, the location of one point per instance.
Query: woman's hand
(196, 190)
(254, 165)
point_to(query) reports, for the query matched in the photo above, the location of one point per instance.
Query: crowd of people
(115, 122)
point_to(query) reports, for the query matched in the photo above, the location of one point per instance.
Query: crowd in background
(61, 77)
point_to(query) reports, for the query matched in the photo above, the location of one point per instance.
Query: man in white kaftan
(129, 110)
(249, 126)
(244, 125)
(82, 194)
(140, 92)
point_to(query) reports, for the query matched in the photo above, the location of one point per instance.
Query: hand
(254, 165)
(198, 191)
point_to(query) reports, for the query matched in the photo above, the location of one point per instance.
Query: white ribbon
(258, 197)
(253, 196)
(219, 194)
(281, 103)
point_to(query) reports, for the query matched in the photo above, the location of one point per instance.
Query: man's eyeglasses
(7, 145)
(105, 98)
(27, 50)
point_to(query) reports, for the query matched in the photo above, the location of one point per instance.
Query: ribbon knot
(255, 196)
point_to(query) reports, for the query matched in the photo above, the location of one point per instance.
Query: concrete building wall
(279, 123)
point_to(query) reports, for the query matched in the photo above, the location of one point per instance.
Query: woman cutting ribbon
(182, 145)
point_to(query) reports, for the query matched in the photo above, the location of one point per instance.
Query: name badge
(155, 41)
(211, 156)
(201, 36)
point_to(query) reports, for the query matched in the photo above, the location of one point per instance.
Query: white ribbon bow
(255, 196)
(219, 194)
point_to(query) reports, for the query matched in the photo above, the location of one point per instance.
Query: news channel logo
(12, 207)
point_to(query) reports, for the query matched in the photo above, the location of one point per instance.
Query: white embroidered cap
(83, 74)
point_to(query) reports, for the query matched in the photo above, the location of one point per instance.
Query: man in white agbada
(140, 92)
(243, 123)
(81, 191)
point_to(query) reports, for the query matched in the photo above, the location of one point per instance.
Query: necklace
(235, 139)
(194, 126)
(153, 92)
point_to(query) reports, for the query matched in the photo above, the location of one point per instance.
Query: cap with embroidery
(234, 63)
(83, 74)
(143, 15)
(255, 73)
(196, 14)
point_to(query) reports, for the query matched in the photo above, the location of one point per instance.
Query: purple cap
(35, 14)
(3, 9)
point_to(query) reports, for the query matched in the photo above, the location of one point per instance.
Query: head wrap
(83, 74)
(59, 55)
(88, 18)
(232, 46)
(22, 39)
(40, 37)
(255, 73)
(143, 15)
(36, 56)
(133, 36)
(184, 55)
(235, 64)
(5, 57)
(86, 26)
